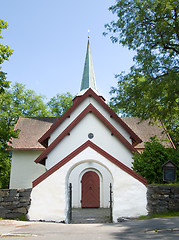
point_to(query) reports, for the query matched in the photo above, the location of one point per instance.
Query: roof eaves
(78, 100)
(62, 118)
(26, 149)
(97, 149)
(89, 108)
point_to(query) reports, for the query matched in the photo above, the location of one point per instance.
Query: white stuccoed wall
(79, 109)
(49, 198)
(24, 170)
(79, 135)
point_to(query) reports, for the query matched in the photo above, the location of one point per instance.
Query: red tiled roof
(31, 129)
(145, 131)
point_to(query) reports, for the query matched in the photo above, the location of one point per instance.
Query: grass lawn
(160, 215)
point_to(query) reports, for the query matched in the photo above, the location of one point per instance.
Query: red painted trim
(118, 163)
(89, 108)
(76, 103)
(62, 118)
(139, 149)
(113, 130)
(97, 149)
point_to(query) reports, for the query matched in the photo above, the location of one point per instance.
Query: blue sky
(49, 39)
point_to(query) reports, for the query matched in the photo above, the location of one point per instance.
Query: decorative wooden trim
(76, 103)
(140, 149)
(89, 108)
(97, 149)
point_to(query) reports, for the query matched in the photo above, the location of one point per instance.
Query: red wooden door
(90, 190)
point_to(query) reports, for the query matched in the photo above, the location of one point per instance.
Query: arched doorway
(75, 177)
(90, 197)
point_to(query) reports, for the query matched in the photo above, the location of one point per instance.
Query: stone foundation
(14, 202)
(162, 198)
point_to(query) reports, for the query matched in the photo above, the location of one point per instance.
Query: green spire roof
(88, 80)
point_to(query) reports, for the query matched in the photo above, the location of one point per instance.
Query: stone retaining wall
(14, 202)
(162, 198)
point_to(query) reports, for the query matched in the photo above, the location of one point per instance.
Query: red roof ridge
(89, 108)
(97, 149)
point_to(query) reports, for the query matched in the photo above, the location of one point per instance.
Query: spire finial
(88, 33)
(88, 79)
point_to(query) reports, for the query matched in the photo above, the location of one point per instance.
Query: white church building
(89, 147)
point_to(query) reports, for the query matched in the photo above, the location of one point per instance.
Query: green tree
(149, 163)
(24, 102)
(6, 131)
(5, 53)
(4, 170)
(15, 102)
(60, 104)
(151, 89)
(18, 101)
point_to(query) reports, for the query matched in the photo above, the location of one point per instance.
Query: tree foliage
(18, 101)
(15, 102)
(151, 89)
(149, 163)
(5, 53)
(25, 102)
(5, 166)
(6, 130)
(60, 104)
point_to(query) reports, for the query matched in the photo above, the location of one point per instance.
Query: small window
(91, 135)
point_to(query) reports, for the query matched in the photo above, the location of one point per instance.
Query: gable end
(88, 109)
(77, 101)
(97, 149)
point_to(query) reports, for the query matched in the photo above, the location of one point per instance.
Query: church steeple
(88, 79)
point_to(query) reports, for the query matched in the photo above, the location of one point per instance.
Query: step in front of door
(90, 215)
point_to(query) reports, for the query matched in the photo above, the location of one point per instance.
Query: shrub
(149, 163)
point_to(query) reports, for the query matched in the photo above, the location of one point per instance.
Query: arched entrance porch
(75, 175)
(90, 189)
